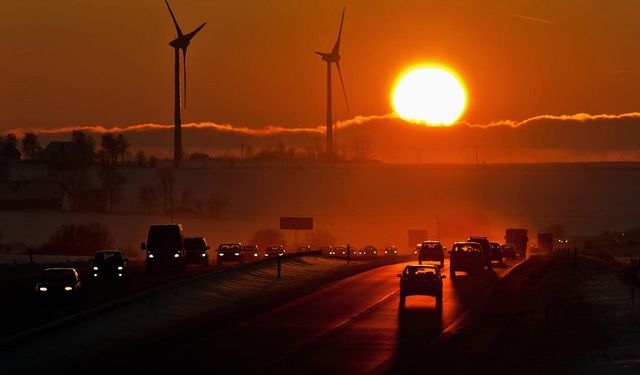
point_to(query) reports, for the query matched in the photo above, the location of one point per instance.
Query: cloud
(544, 138)
(532, 19)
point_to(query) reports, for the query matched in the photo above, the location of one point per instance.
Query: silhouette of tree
(165, 175)
(86, 142)
(79, 239)
(31, 146)
(109, 146)
(148, 198)
(122, 146)
(112, 181)
(318, 238)
(11, 139)
(141, 158)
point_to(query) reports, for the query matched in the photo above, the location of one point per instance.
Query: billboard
(297, 223)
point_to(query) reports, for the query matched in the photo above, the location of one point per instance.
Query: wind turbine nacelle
(328, 57)
(179, 43)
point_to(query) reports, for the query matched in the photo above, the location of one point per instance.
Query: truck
(164, 246)
(518, 237)
(545, 242)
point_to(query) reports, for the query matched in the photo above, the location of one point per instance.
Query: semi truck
(518, 237)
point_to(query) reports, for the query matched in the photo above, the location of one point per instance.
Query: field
(366, 204)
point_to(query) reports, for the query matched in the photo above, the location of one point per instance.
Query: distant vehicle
(424, 280)
(165, 246)
(391, 251)
(545, 241)
(230, 252)
(108, 263)
(509, 250)
(59, 282)
(251, 251)
(431, 250)
(368, 251)
(486, 248)
(466, 256)
(496, 252)
(304, 249)
(519, 238)
(273, 251)
(327, 250)
(196, 250)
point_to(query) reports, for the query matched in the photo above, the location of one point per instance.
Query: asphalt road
(354, 326)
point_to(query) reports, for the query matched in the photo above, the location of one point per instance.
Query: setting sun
(431, 95)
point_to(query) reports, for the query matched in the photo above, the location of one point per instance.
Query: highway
(353, 326)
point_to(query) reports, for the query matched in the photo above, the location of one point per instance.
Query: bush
(83, 239)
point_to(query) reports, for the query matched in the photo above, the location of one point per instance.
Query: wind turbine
(181, 42)
(333, 57)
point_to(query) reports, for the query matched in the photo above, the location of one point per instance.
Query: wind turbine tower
(181, 42)
(333, 57)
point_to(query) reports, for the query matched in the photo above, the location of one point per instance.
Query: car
(369, 251)
(108, 263)
(196, 250)
(250, 251)
(327, 250)
(230, 252)
(417, 249)
(486, 248)
(164, 246)
(496, 251)
(431, 251)
(509, 250)
(274, 250)
(466, 256)
(304, 249)
(424, 280)
(59, 282)
(391, 251)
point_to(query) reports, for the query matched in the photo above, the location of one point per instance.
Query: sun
(429, 94)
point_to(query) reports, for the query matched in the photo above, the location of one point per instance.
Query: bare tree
(30, 146)
(165, 175)
(112, 181)
(148, 198)
(141, 158)
(122, 147)
(109, 147)
(86, 142)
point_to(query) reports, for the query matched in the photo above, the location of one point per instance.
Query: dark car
(164, 246)
(431, 251)
(274, 251)
(509, 250)
(467, 257)
(424, 280)
(369, 251)
(496, 251)
(230, 252)
(250, 252)
(486, 248)
(109, 263)
(59, 282)
(196, 250)
(391, 251)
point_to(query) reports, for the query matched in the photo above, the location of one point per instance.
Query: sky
(107, 63)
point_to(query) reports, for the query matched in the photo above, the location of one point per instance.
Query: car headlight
(150, 255)
(119, 268)
(68, 288)
(221, 254)
(255, 254)
(42, 288)
(236, 254)
(95, 275)
(176, 255)
(204, 255)
(265, 254)
(95, 268)
(119, 275)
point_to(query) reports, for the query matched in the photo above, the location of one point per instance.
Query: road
(354, 326)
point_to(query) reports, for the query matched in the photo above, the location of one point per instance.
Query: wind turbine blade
(194, 32)
(174, 20)
(344, 92)
(336, 47)
(184, 72)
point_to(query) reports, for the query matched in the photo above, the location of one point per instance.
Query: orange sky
(105, 62)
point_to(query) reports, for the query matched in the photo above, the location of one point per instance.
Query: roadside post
(279, 265)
